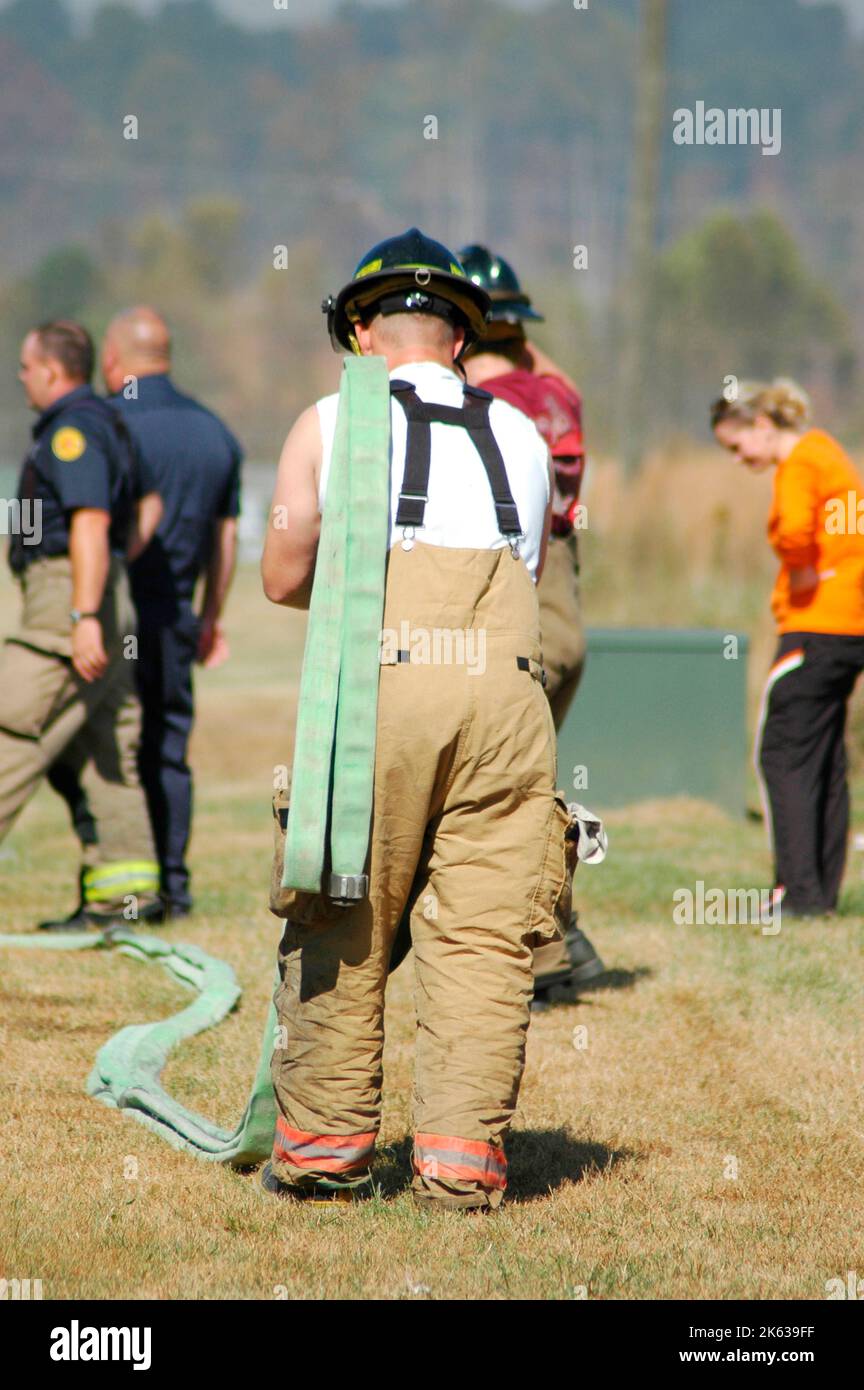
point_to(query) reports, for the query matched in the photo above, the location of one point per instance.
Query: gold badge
(68, 444)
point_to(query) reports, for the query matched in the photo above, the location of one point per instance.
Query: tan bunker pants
(563, 638)
(561, 631)
(466, 828)
(44, 705)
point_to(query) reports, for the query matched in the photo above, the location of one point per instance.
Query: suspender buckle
(411, 509)
(407, 537)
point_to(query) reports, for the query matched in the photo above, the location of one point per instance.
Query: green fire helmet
(410, 273)
(510, 303)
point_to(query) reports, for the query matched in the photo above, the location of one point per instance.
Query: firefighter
(68, 670)
(818, 605)
(513, 369)
(465, 814)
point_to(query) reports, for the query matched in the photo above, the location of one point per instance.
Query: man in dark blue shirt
(196, 463)
(64, 675)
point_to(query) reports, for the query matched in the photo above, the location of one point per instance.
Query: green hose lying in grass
(126, 1072)
(332, 780)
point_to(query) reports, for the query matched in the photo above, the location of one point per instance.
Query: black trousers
(167, 645)
(801, 751)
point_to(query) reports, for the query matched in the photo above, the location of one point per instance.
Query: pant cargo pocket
(549, 916)
(307, 909)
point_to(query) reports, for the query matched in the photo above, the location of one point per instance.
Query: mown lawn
(698, 1135)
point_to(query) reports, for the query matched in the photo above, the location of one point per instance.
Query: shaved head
(141, 337)
(136, 343)
(408, 330)
(410, 337)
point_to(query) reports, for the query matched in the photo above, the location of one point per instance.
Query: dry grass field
(699, 1134)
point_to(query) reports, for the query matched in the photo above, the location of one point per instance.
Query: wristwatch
(76, 615)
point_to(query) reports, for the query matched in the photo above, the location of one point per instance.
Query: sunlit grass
(703, 1140)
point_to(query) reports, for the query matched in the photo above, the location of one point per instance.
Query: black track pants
(801, 753)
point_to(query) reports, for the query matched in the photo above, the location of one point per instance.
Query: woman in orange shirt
(818, 602)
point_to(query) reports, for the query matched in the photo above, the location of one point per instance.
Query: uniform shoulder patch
(68, 444)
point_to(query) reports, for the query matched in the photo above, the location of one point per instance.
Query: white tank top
(460, 512)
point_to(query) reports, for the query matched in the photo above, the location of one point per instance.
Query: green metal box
(660, 712)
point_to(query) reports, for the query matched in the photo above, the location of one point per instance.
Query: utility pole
(636, 342)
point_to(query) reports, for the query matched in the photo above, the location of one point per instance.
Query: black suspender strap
(414, 493)
(477, 424)
(473, 417)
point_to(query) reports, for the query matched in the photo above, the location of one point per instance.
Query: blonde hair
(785, 403)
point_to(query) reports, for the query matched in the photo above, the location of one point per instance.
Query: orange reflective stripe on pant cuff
(322, 1153)
(446, 1157)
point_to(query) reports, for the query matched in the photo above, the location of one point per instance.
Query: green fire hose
(332, 781)
(339, 686)
(126, 1072)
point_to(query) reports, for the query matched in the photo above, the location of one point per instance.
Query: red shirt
(557, 412)
(555, 409)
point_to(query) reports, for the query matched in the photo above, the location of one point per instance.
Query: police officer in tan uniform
(464, 812)
(67, 671)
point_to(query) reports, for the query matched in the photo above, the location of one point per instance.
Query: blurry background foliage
(310, 135)
(307, 133)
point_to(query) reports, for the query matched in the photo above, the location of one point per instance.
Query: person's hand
(88, 654)
(803, 580)
(212, 644)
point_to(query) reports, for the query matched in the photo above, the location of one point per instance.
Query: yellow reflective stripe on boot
(105, 882)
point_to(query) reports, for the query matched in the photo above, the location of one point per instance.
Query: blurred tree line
(312, 138)
(251, 348)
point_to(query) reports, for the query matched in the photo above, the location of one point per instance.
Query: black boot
(172, 910)
(587, 968)
(151, 915)
(77, 920)
(586, 963)
(319, 1194)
